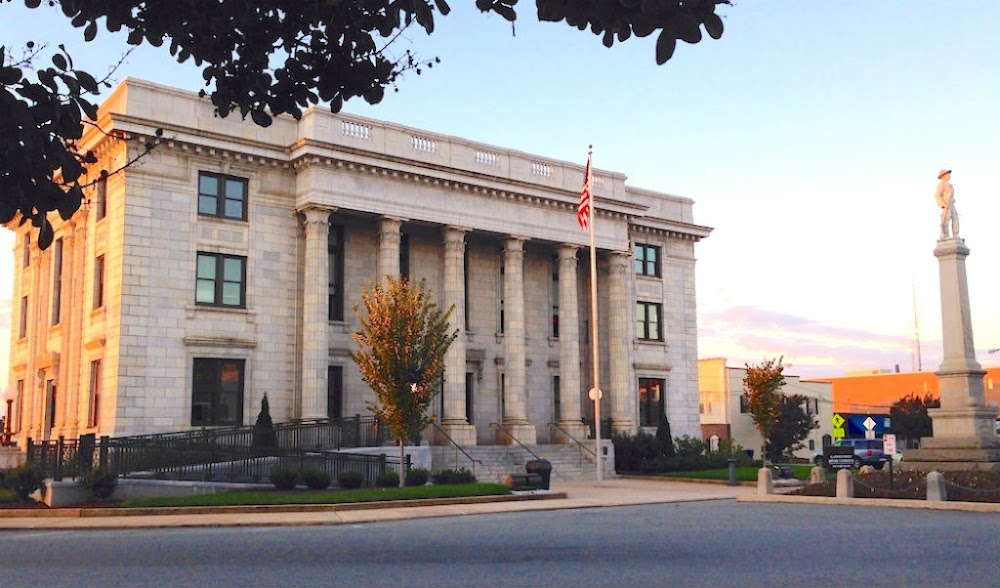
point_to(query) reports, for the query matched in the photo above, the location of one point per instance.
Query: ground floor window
(650, 401)
(470, 380)
(335, 392)
(217, 391)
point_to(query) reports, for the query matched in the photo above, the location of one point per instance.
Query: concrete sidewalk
(611, 492)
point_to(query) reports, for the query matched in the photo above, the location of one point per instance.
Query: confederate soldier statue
(945, 197)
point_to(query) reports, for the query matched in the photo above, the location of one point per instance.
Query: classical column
(620, 358)
(315, 312)
(454, 421)
(570, 417)
(388, 247)
(964, 434)
(515, 372)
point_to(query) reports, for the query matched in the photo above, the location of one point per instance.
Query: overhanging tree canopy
(261, 58)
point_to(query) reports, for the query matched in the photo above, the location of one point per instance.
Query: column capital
(619, 260)
(315, 213)
(568, 252)
(455, 232)
(514, 243)
(387, 222)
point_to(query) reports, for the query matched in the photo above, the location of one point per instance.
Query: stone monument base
(954, 454)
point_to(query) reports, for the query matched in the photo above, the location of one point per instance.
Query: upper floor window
(57, 263)
(26, 252)
(555, 298)
(221, 280)
(335, 286)
(22, 327)
(404, 256)
(99, 281)
(647, 260)
(101, 198)
(222, 196)
(648, 326)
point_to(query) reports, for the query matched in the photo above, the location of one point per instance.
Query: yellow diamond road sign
(837, 420)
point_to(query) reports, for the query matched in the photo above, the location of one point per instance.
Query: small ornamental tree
(793, 425)
(264, 436)
(402, 341)
(909, 416)
(762, 386)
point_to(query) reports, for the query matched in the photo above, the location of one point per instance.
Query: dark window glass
(222, 196)
(404, 256)
(101, 198)
(650, 402)
(647, 321)
(744, 407)
(470, 382)
(95, 392)
(647, 260)
(221, 280)
(217, 392)
(556, 407)
(335, 289)
(99, 281)
(335, 392)
(555, 298)
(22, 327)
(57, 263)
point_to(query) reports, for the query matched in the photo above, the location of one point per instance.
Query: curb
(85, 512)
(987, 507)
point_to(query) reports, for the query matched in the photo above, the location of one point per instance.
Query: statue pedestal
(964, 427)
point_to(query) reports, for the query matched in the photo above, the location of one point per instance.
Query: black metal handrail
(573, 439)
(458, 448)
(513, 438)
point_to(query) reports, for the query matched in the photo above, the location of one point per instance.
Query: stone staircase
(495, 462)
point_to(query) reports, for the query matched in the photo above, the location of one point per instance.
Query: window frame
(93, 415)
(58, 252)
(220, 281)
(643, 322)
(642, 253)
(647, 405)
(215, 392)
(101, 198)
(336, 257)
(98, 295)
(221, 196)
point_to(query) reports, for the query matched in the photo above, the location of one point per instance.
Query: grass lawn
(745, 474)
(324, 496)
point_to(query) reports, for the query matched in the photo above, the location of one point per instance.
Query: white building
(227, 263)
(724, 414)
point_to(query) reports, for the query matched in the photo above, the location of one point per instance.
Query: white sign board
(889, 443)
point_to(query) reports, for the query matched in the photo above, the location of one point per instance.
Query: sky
(809, 137)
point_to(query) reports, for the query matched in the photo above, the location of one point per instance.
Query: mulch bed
(965, 486)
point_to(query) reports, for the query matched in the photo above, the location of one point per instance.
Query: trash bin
(543, 468)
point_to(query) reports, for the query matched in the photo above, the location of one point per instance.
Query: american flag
(583, 209)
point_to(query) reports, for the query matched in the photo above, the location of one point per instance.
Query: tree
(262, 58)
(909, 417)
(793, 425)
(264, 436)
(401, 345)
(762, 385)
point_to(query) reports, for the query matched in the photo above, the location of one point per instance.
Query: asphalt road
(718, 543)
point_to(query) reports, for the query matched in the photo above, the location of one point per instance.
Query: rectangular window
(20, 407)
(500, 283)
(650, 402)
(335, 392)
(26, 253)
(221, 280)
(57, 263)
(556, 407)
(217, 392)
(555, 298)
(51, 395)
(647, 321)
(95, 392)
(470, 381)
(647, 260)
(404, 256)
(465, 277)
(22, 327)
(99, 281)
(222, 196)
(101, 198)
(335, 277)
(744, 407)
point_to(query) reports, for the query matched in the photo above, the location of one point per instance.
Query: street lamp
(9, 393)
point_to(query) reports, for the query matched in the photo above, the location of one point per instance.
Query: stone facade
(227, 264)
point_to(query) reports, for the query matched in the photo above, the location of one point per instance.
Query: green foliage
(316, 479)
(417, 477)
(264, 436)
(387, 479)
(350, 479)
(688, 446)
(7, 496)
(793, 425)
(909, 416)
(402, 339)
(284, 478)
(23, 480)
(100, 482)
(642, 452)
(762, 386)
(453, 476)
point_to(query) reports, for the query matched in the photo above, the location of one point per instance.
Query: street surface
(714, 543)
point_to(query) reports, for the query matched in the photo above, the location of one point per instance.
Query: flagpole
(595, 391)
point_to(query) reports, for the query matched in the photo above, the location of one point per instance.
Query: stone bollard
(936, 490)
(866, 469)
(817, 475)
(765, 482)
(845, 484)
(732, 472)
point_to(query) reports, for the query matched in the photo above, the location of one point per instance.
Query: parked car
(866, 452)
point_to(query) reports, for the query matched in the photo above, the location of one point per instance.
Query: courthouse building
(227, 263)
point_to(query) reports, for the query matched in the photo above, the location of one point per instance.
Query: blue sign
(856, 425)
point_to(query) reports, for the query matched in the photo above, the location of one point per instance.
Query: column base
(463, 434)
(569, 433)
(962, 423)
(522, 431)
(619, 425)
